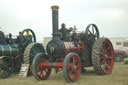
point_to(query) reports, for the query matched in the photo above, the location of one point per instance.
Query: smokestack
(55, 22)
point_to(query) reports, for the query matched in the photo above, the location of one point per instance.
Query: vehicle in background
(120, 55)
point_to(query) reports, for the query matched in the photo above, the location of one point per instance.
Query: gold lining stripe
(17, 50)
(55, 9)
(79, 47)
(2, 50)
(10, 49)
(66, 47)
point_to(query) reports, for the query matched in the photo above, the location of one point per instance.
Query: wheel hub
(74, 67)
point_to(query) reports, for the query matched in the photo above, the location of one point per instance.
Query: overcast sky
(111, 16)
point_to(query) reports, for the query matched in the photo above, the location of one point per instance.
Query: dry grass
(118, 77)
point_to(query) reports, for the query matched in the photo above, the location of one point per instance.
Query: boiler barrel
(8, 50)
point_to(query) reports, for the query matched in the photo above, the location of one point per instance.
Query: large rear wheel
(31, 51)
(103, 56)
(72, 67)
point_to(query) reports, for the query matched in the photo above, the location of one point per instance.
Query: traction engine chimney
(55, 22)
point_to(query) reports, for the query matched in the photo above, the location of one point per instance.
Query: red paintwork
(52, 65)
(109, 61)
(74, 47)
(74, 74)
(43, 72)
(47, 66)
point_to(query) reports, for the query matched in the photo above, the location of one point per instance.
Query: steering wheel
(27, 36)
(91, 34)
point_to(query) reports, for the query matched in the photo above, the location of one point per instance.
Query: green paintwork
(9, 50)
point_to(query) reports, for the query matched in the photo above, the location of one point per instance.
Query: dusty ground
(118, 77)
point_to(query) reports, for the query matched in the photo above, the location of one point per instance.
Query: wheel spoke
(34, 51)
(32, 55)
(90, 32)
(107, 66)
(40, 74)
(109, 58)
(70, 66)
(96, 36)
(103, 49)
(102, 53)
(70, 73)
(93, 30)
(38, 68)
(73, 57)
(108, 49)
(102, 61)
(90, 38)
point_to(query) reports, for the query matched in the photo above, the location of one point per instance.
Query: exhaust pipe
(55, 22)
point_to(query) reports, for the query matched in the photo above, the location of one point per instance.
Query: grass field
(118, 77)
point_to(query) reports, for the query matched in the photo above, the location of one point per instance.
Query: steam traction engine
(72, 53)
(13, 49)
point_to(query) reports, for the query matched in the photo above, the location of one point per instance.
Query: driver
(64, 32)
(28, 35)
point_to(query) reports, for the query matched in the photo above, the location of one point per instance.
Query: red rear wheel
(102, 56)
(72, 67)
(39, 72)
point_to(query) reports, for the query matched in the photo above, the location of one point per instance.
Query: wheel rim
(106, 57)
(73, 68)
(42, 72)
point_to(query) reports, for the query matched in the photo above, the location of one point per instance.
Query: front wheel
(72, 67)
(40, 72)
